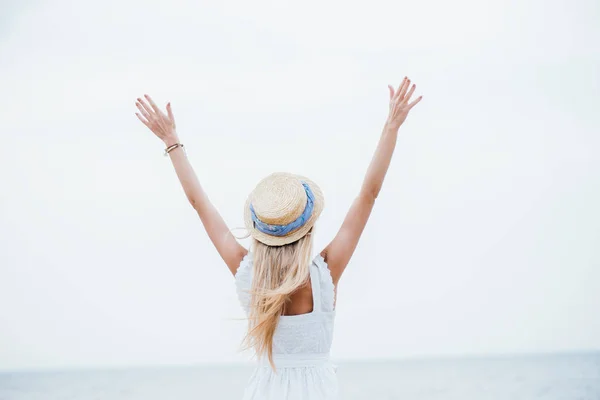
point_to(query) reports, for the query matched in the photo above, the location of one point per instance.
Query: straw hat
(282, 208)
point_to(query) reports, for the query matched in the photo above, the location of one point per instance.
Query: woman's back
(309, 334)
(301, 344)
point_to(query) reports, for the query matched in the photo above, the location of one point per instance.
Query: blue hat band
(282, 230)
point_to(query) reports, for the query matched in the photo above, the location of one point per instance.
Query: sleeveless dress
(301, 344)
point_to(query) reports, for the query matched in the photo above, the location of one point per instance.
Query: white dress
(301, 344)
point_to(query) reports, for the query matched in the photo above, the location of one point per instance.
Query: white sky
(486, 234)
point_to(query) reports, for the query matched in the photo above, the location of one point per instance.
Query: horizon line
(349, 360)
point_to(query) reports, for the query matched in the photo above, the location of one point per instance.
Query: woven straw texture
(280, 199)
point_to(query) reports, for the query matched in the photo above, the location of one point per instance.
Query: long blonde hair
(278, 272)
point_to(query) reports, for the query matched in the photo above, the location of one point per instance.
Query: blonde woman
(289, 296)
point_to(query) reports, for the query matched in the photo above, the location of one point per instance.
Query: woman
(289, 297)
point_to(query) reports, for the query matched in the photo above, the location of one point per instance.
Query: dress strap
(326, 282)
(315, 283)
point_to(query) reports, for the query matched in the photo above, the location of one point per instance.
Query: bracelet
(172, 147)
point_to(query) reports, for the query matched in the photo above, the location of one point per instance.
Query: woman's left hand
(400, 103)
(161, 124)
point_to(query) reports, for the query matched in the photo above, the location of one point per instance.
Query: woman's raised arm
(163, 126)
(338, 253)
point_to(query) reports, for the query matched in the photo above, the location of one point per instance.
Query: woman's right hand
(161, 124)
(399, 103)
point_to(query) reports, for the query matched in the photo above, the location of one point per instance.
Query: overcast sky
(486, 235)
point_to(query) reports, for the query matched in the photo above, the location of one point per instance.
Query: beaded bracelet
(172, 147)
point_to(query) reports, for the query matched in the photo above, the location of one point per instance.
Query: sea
(532, 377)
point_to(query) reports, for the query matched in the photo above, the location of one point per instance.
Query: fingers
(142, 119)
(170, 113)
(154, 107)
(146, 107)
(391, 92)
(399, 91)
(412, 90)
(405, 86)
(401, 94)
(415, 102)
(399, 100)
(142, 110)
